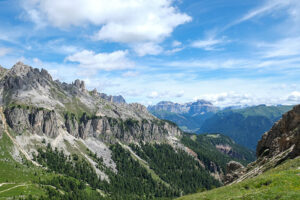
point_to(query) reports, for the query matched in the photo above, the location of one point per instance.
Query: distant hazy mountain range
(244, 125)
(189, 116)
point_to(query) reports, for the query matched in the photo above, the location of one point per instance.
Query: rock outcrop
(110, 129)
(283, 135)
(34, 120)
(114, 99)
(1, 126)
(234, 171)
(282, 142)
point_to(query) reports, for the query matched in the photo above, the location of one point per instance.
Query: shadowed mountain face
(245, 126)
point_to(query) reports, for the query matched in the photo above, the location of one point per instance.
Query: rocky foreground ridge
(280, 143)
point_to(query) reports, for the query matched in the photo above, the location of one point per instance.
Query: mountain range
(244, 125)
(189, 116)
(274, 174)
(60, 141)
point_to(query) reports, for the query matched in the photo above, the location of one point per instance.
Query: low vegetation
(282, 182)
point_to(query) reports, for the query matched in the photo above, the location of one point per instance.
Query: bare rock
(34, 120)
(234, 171)
(282, 142)
(282, 136)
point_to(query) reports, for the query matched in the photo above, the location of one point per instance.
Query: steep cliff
(35, 103)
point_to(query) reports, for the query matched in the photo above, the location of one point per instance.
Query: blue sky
(230, 52)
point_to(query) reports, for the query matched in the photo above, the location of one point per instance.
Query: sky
(229, 52)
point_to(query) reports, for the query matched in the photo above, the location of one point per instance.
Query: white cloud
(165, 94)
(148, 48)
(268, 7)
(294, 97)
(209, 44)
(4, 51)
(172, 51)
(176, 43)
(285, 47)
(271, 7)
(153, 95)
(102, 61)
(130, 74)
(228, 98)
(126, 21)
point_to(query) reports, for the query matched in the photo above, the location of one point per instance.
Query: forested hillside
(245, 126)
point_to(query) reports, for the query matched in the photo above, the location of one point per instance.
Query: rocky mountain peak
(79, 84)
(95, 92)
(202, 102)
(20, 69)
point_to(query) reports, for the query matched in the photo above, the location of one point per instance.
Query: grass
(21, 177)
(282, 182)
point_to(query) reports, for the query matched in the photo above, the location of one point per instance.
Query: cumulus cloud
(126, 21)
(102, 61)
(294, 97)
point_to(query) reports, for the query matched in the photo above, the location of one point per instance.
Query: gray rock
(200, 106)
(114, 99)
(33, 120)
(234, 171)
(110, 129)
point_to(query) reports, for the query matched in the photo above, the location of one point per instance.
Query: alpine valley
(62, 141)
(244, 125)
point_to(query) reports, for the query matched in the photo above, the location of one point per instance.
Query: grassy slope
(21, 178)
(282, 182)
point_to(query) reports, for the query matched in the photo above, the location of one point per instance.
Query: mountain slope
(275, 173)
(282, 182)
(83, 145)
(246, 125)
(216, 150)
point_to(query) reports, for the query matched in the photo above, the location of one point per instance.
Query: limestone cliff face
(1, 126)
(34, 103)
(35, 120)
(284, 134)
(130, 130)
